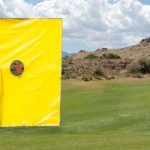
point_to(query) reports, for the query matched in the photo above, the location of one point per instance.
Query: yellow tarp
(32, 98)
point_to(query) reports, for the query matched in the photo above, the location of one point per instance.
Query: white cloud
(97, 23)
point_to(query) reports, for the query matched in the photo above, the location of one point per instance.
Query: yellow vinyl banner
(30, 72)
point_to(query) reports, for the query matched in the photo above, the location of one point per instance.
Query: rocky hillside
(87, 69)
(140, 50)
(122, 63)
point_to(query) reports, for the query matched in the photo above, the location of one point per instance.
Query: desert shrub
(99, 78)
(99, 71)
(68, 75)
(134, 67)
(86, 77)
(141, 66)
(104, 56)
(110, 56)
(145, 63)
(64, 63)
(63, 71)
(91, 56)
(109, 77)
(137, 75)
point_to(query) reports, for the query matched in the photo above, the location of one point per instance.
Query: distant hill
(66, 54)
(137, 51)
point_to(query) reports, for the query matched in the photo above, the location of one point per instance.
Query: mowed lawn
(95, 115)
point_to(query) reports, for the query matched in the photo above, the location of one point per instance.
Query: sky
(88, 24)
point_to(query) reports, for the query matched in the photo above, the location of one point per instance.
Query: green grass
(96, 115)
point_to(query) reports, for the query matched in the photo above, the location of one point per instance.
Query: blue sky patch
(33, 1)
(147, 2)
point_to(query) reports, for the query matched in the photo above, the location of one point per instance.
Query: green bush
(104, 56)
(110, 56)
(91, 56)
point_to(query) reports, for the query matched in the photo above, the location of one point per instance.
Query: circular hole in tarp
(17, 68)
